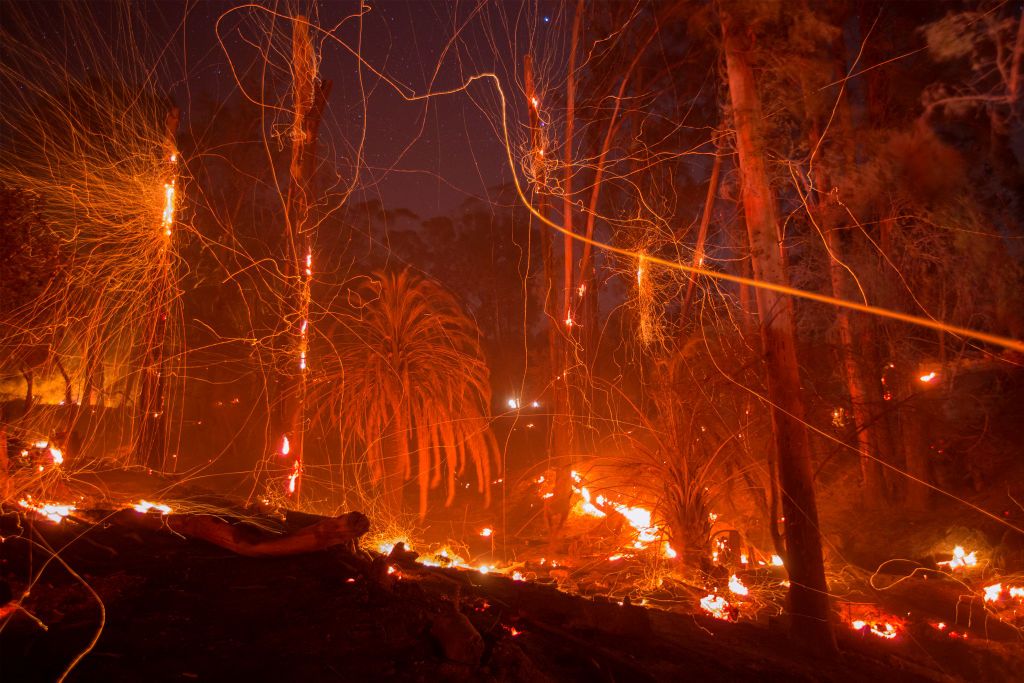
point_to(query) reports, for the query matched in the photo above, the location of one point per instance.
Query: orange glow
(486, 531)
(286, 446)
(993, 592)
(929, 377)
(57, 455)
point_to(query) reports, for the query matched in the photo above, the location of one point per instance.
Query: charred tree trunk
(150, 412)
(808, 596)
(309, 97)
(559, 438)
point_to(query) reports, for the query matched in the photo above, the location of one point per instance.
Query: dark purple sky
(427, 156)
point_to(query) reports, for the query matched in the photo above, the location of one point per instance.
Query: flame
(1016, 592)
(929, 377)
(168, 217)
(961, 559)
(57, 455)
(716, 606)
(535, 102)
(513, 403)
(885, 630)
(302, 360)
(670, 552)
(992, 592)
(54, 513)
(309, 264)
(286, 445)
(484, 569)
(517, 576)
(736, 586)
(146, 506)
(777, 561)
(487, 531)
(294, 477)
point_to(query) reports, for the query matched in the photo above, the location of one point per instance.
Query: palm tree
(415, 390)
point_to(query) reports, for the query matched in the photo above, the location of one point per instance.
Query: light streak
(145, 506)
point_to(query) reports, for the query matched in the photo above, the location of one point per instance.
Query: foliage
(414, 386)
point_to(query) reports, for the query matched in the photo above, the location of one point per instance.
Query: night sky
(427, 156)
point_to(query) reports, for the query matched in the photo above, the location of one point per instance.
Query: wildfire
(992, 592)
(961, 559)
(929, 377)
(737, 587)
(145, 506)
(54, 513)
(294, 477)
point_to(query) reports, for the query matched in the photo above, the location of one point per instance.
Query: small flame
(168, 218)
(517, 576)
(885, 630)
(57, 455)
(286, 446)
(961, 559)
(715, 605)
(294, 477)
(146, 506)
(736, 586)
(513, 403)
(54, 513)
(777, 561)
(993, 592)
(486, 531)
(929, 377)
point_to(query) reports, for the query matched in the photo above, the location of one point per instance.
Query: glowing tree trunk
(151, 409)
(808, 598)
(559, 439)
(309, 97)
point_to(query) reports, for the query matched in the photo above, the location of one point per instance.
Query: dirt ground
(176, 609)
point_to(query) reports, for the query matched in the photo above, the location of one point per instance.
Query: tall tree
(808, 592)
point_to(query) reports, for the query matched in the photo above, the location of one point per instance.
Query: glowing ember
(41, 444)
(884, 630)
(57, 455)
(54, 513)
(777, 561)
(517, 576)
(294, 477)
(484, 569)
(928, 378)
(615, 557)
(547, 495)
(961, 559)
(513, 403)
(146, 506)
(670, 552)
(993, 592)
(736, 586)
(486, 532)
(168, 217)
(286, 446)
(1016, 592)
(744, 559)
(716, 606)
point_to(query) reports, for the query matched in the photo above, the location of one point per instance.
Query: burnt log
(249, 541)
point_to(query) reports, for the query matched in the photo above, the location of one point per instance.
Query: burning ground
(135, 590)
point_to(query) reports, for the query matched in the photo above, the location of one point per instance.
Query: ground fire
(511, 341)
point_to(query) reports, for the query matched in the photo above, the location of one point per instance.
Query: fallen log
(248, 541)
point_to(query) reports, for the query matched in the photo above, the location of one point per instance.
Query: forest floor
(181, 609)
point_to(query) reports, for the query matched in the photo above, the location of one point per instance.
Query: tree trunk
(26, 372)
(808, 596)
(151, 410)
(559, 438)
(309, 97)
